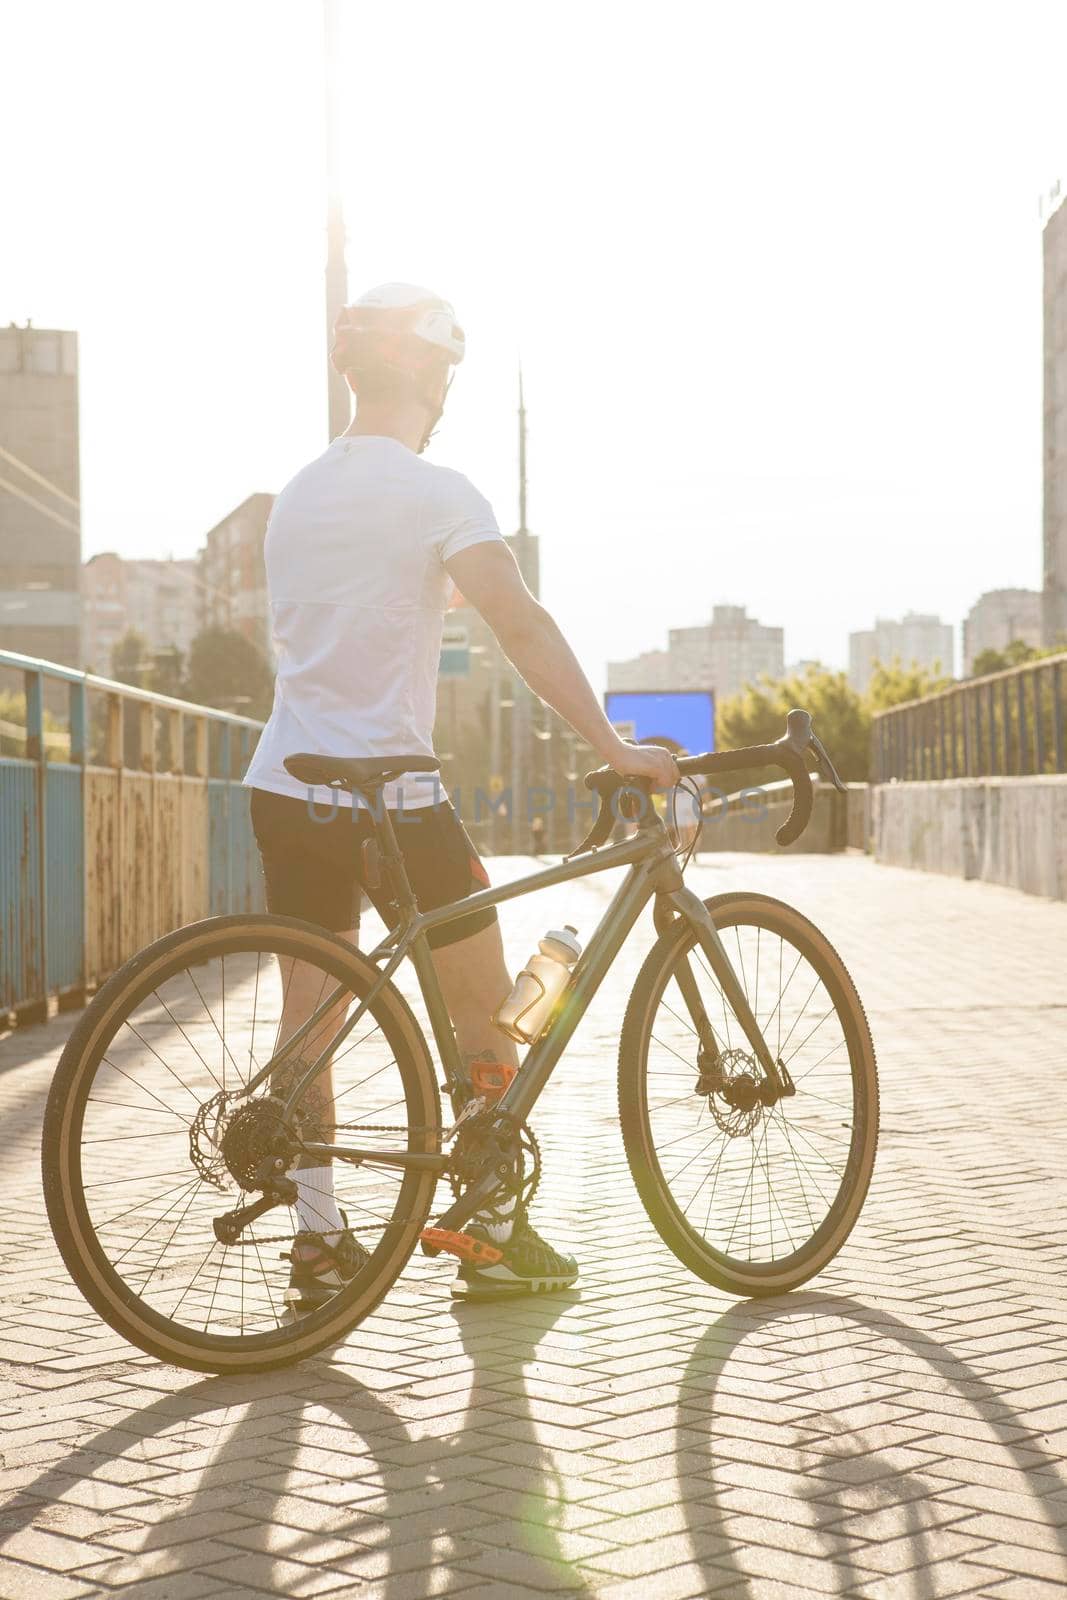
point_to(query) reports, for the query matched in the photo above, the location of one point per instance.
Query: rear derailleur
(250, 1144)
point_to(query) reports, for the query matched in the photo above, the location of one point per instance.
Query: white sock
(316, 1207)
(499, 1220)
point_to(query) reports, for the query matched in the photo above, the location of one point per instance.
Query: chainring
(470, 1152)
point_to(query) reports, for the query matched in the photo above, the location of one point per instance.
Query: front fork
(777, 1082)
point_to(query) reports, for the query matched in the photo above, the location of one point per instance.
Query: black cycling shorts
(311, 863)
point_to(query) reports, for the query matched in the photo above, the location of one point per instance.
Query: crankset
(492, 1142)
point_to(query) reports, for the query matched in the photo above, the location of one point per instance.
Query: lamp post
(520, 717)
(339, 400)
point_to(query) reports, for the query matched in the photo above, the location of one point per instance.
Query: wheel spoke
(156, 1221)
(170, 1109)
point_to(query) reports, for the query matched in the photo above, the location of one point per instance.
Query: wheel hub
(244, 1143)
(253, 1136)
(737, 1103)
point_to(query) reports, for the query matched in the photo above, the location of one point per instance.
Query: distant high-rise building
(916, 640)
(159, 599)
(724, 654)
(650, 670)
(40, 523)
(1054, 520)
(998, 618)
(233, 578)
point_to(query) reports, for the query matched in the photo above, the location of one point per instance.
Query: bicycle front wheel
(753, 1199)
(150, 1135)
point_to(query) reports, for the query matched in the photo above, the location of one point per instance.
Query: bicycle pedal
(464, 1245)
(491, 1079)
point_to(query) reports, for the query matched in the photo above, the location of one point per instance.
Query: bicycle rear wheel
(753, 1199)
(149, 1137)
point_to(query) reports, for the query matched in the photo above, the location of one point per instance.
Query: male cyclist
(362, 552)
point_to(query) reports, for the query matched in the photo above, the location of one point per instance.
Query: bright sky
(774, 271)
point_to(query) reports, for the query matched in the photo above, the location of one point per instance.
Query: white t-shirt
(355, 554)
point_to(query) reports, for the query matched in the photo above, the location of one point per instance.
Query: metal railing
(1009, 724)
(122, 817)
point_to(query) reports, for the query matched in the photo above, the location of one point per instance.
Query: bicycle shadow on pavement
(321, 1472)
(237, 1491)
(843, 1470)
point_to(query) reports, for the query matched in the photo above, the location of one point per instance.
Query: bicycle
(183, 1084)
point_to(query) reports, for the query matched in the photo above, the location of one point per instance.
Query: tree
(131, 661)
(1013, 655)
(227, 671)
(757, 716)
(842, 717)
(13, 724)
(895, 685)
(167, 675)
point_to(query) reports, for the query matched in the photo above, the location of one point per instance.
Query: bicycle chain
(388, 1127)
(383, 1127)
(369, 1227)
(287, 1238)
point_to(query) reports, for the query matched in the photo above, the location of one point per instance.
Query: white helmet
(421, 312)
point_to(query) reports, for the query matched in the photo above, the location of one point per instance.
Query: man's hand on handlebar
(649, 761)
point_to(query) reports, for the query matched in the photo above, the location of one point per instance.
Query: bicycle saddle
(355, 772)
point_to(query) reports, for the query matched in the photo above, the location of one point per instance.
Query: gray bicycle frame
(653, 871)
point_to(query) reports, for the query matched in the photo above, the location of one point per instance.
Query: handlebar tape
(783, 754)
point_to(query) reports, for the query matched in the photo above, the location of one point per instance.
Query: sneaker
(528, 1265)
(320, 1267)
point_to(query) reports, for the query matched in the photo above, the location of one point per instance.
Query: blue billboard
(682, 719)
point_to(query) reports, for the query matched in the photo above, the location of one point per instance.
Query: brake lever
(825, 765)
(798, 734)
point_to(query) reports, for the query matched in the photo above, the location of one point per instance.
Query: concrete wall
(858, 816)
(1011, 831)
(750, 822)
(1003, 830)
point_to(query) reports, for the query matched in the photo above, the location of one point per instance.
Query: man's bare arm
(488, 576)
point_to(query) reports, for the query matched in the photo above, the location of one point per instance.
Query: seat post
(392, 857)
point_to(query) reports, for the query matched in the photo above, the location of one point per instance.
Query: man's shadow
(402, 1506)
(705, 1367)
(528, 1502)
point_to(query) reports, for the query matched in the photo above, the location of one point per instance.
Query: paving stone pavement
(894, 1431)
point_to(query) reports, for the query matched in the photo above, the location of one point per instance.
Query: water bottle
(524, 1015)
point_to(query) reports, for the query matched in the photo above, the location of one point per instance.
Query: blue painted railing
(122, 816)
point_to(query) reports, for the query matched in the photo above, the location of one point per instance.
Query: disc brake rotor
(735, 1103)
